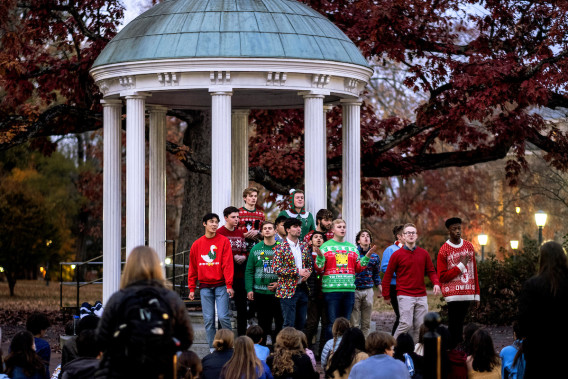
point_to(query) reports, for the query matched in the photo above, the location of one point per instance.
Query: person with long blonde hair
(244, 364)
(142, 284)
(289, 359)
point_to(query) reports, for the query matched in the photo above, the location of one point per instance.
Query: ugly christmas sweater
(459, 281)
(250, 220)
(210, 262)
(259, 273)
(339, 264)
(238, 246)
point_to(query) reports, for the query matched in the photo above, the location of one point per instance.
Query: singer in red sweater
(457, 270)
(410, 264)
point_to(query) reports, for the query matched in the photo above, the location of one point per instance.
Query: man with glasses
(410, 263)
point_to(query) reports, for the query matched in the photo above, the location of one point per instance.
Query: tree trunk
(11, 281)
(197, 190)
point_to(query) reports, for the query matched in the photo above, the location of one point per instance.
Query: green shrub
(500, 283)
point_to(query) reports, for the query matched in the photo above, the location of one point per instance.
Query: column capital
(355, 101)
(157, 108)
(221, 90)
(135, 94)
(327, 108)
(111, 103)
(313, 94)
(241, 111)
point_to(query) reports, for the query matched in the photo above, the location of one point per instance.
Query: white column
(351, 183)
(315, 156)
(220, 151)
(135, 172)
(239, 155)
(112, 223)
(157, 182)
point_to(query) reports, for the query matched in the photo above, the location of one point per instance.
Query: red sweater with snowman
(458, 281)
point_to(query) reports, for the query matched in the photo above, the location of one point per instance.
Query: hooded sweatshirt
(304, 216)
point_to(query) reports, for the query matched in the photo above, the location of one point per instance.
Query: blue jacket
(386, 257)
(507, 355)
(370, 276)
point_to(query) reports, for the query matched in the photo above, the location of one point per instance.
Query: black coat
(213, 363)
(542, 320)
(181, 325)
(80, 368)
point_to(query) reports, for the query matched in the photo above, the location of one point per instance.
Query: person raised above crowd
(238, 245)
(316, 305)
(250, 218)
(338, 261)
(297, 210)
(398, 243)
(324, 218)
(143, 324)
(457, 270)
(368, 278)
(211, 262)
(261, 283)
(293, 265)
(410, 263)
(380, 364)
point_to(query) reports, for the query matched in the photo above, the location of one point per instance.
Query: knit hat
(291, 206)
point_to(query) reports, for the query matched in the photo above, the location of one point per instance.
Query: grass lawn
(33, 295)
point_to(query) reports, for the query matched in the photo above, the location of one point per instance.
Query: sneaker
(252, 321)
(268, 340)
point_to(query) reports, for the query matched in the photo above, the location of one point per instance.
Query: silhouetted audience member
(542, 314)
(223, 344)
(380, 364)
(188, 365)
(69, 349)
(244, 364)
(22, 362)
(512, 357)
(483, 361)
(289, 360)
(404, 352)
(37, 324)
(350, 351)
(87, 363)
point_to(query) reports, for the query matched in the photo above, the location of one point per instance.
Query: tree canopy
(483, 70)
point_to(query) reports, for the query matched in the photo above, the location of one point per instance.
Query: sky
(132, 9)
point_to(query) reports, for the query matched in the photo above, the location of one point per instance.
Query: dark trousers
(240, 299)
(339, 304)
(268, 310)
(294, 309)
(317, 311)
(457, 310)
(394, 303)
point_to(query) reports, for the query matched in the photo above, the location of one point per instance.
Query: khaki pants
(412, 312)
(362, 310)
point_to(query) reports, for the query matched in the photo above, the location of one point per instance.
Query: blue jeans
(339, 304)
(210, 296)
(295, 309)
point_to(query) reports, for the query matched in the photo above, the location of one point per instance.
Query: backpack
(144, 340)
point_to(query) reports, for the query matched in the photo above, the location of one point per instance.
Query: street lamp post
(540, 219)
(482, 239)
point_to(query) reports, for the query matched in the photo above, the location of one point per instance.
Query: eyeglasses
(410, 233)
